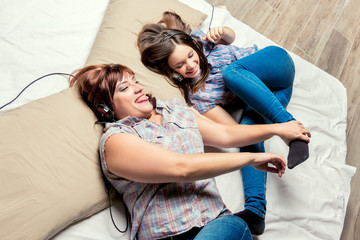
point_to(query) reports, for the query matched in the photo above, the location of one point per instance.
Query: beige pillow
(49, 169)
(116, 41)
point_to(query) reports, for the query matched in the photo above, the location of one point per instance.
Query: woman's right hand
(269, 162)
(292, 130)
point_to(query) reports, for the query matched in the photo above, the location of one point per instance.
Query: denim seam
(242, 237)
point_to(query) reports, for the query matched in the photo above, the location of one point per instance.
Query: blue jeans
(227, 227)
(264, 81)
(254, 180)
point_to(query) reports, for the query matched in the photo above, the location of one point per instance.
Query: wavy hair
(97, 83)
(156, 42)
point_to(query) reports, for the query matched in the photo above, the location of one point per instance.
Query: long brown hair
(97, 83)
(156, 42)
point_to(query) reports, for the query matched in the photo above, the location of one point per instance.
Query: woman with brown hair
(152, 152)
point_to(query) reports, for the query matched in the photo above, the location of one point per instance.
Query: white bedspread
(309, 202)
(38, 37)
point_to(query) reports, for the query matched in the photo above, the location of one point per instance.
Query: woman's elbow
(183, 172)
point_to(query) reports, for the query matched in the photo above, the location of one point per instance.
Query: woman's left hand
(293, 130)
(214, 34)
(223, 35)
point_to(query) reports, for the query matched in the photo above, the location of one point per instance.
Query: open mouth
(142, 98)
(193, 72)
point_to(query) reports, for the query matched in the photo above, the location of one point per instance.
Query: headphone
(104, 113)
(187, 37)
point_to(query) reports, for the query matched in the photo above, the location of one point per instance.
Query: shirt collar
(159, 105)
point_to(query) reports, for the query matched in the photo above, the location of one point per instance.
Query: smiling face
(185, 61)
(130, 99)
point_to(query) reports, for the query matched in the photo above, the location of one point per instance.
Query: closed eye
(179, 66)
(123, 87)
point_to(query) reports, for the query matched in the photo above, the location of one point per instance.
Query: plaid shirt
(163, 210)
(215, 92)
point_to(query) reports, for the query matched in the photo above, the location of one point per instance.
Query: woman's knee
(236, 225)
(281, 54)
(239, 227)
(279, 51)
(229, 227)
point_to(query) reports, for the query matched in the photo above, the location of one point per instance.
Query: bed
(51, 185)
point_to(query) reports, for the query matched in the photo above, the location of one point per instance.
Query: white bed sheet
(38, 37)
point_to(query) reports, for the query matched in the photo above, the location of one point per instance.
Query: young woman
(214, 75)
(152, 152)
(209, 71)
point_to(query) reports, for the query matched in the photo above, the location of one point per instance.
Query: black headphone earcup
(104, 113)
(177, 77)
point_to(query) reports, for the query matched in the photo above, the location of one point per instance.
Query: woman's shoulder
(125, 125)
(115, 127)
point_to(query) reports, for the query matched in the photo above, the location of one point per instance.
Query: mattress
(39, 37)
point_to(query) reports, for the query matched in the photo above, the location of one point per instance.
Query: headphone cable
(212, 44)
(47, 75)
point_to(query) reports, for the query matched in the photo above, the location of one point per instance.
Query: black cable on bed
(111, 215)
(47, 75)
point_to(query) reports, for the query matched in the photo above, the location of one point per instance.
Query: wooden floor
(327, 34)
